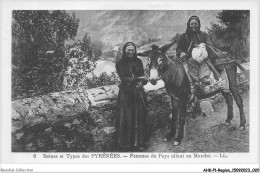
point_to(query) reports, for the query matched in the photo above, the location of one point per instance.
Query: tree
(82, 56)
(38, 51)
(232, 34)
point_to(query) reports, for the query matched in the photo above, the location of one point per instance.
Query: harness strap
(165, 73)
(214, 49)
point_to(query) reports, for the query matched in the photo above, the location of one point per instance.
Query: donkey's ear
(166, 47)
(144, 54)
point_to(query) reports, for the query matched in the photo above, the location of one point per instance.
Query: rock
(102, 96)
(166, 98)
(103, 103)
(76, 122)
(245, 65)
(47, 99)
(16, 145)
(105, 92)
(69, 144)
(54, 95)
(48, 130)
(58, 144)
(17, 125)
(18, 136)
(206, 107)
(94, 131)
(98, 121)
(48, 107)
(106, 88)
(30, 147)
(15, 115)
(96, 91)
(19, 108)
(109, 130)
(107, 138)
(68, 125)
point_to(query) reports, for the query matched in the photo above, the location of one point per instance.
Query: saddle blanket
(206, 79)
(209, 84)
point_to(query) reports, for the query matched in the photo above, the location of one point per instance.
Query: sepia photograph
(130, 80)
(128, 84)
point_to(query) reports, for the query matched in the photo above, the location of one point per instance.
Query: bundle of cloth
(199, 53)
(208, 83)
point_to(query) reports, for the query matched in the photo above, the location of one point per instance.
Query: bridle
(165, 73)
(180, 60)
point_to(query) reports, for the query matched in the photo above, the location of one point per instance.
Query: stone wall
(68, 110)
(78, 120)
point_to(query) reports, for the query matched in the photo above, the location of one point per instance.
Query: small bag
(199, 53)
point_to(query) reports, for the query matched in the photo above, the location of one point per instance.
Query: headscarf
(188, 30)
(124, 56)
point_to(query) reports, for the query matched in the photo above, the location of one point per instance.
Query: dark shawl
(132, 120)
(189, 36)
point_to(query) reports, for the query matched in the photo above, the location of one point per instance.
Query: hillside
(115, 27)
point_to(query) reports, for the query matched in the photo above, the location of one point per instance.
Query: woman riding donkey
(177, 82)
(194, 62)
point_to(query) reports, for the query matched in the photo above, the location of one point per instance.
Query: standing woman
(132, 119)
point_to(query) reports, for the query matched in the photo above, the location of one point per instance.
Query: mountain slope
(117, 26)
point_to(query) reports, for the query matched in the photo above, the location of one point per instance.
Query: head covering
(131, 45)
(188, 23)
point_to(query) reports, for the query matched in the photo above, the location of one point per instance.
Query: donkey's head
(156, 60)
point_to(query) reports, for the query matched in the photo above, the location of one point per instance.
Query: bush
(82, 57)
(102, 80)
(233, 33)
(38, 56)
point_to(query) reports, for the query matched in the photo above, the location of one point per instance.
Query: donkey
(177, 85)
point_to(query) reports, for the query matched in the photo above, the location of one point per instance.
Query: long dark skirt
(132, 119)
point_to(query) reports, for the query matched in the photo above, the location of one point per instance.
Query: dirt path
(208, 134)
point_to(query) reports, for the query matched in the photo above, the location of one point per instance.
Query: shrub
(38, 57)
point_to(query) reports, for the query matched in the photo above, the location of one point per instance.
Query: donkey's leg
(175, 111)
(232, 77)
(229, 100)
(240, 105)
(181, 121)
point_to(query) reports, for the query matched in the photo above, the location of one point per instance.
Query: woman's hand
(183, 57)
(183, 54)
